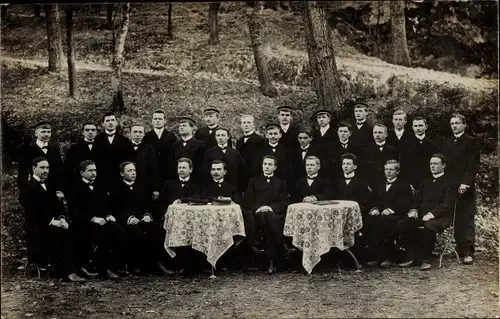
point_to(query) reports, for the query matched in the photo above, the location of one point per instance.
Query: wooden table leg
(212, 276)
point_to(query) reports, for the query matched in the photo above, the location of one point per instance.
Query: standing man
(362, 130)
(161, 140)
(343, 145)
(207, 134)
(80, 151)
(189, 147)
(298, 156)
(47, 230)
(41, 148)
(273, 148)
(248, 144)
(111, 150)
(463, 158)
(236, 170)
(288, 131)
(398, 136)
(324, 136)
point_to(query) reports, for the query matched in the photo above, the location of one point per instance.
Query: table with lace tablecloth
(316, 228)
(206, 228)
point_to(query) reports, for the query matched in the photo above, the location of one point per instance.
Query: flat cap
(211, 110)
(187, 119)
(319, 112)
(286, 108)
(43, 124)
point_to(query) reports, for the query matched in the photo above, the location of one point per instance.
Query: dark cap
(43, 124)
(360, 104)
(319, 112)
(285, 108)
(272, 125)
(188, 119)
(211, 110)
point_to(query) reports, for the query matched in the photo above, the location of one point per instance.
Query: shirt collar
(344, 142)
(399, 132)
(391, 180)
(136, 144)
(438, 175)
(113, 132)
(360, 123)
(38, 178)
(185, 180)
(350, 175)
(40, 143)
(459, 134)
(285, 127)
(420, 137)
(222, 146)
(312, 176)
(158, 131)
(128, 183)
(248, 134)
(220, 181)
(273, 145)
(186, 140)
(212, 127)
(268, 176)
(324, 128)
(88, 141)
(86, 181)
(380, 144)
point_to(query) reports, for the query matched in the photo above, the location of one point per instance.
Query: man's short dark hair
(345, 124)
(88, 123)
(441, 157)
(124, 164)
(185, 160)
(108, 114)
(272, 158)
(218, 162)
(305, 129)
(84, 164)
(460, 116)
(350, 156)
(37, 160)
(419, 118)
(159, 112)
(222, 129)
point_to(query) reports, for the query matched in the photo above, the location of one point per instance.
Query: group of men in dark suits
(106, 201)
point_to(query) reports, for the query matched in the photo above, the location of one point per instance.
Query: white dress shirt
(324, 129)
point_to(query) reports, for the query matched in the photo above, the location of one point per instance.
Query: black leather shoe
(75, 278)
(406, 264)
(468, 260)
(87, 273)
(165, 270)
(271, 270)
(111, 275)
(122, 272)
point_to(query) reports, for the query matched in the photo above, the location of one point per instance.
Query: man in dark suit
(375, 156)
(274, 148)
(88, 205)
(431, 212)
(248, 144)
(111, 150)
(144, 158)
(298, 157)
(324, 136)
(400, 138)
(417, 154)
(161, 140)
(190, 147)
(48, 236)
(362, 130)
(40, 148)
(463, 158)
(206, 134)
(335, 151)
(235, 165)
(218, 186)
(312, 187)
(267, 197)
(288, 131)
(80, 151)
(391, 202)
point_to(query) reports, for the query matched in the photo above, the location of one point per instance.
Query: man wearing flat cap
(41, 148)
(288, 131)
(188, 146)
(324, 136)
(206, 134)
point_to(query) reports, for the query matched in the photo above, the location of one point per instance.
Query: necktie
(43, 186)
(344, 145)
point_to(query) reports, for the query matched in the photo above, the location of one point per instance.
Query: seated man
(311, 187)
(267, 197)
(217, 186)
(88, 205)
(391, 202)
(431, 212)
(48, 234)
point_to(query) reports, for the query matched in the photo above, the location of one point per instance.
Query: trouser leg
(62, 251)
(464, 223)
(410, 237)
(135, 246)
(274, 224)
(250, 229)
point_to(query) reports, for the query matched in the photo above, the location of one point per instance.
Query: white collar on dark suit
(389, 182)
(185, 141)
(40, 181)
(158, 131)
(268, 177)
(344, 144)
(323, 129)
(223, 148)
(211, 128)
(219, 182)
(437, 176)
(273, 145)
(184, 180)
(420, 137)
(380, 145)
(110, 136)
(310, 179)
(360, 124)
(41, 145)
(89, 184)
(348, 177)
(130, 184)
(285, 128)
(459, 134)
(399, 133)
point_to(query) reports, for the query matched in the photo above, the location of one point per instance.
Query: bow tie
(136, 145)
(223, 148)
(219, 182)
(358, 123)
(45, 147)
(247, 136)
(183, 181)
(89, 143)
(344, 145)
(347, 178)
(110, 135)
(310, 177)
(389, 183)
(304, 150)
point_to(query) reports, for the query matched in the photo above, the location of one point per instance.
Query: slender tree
(119, 36)
(54, 38)
(110, 7)
(70, 51)
(400, 54)
(321, 53)
(213, 23)
(254, 27)
(170, 31)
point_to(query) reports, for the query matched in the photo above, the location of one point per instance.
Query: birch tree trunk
(400, 54)
(52, 15)
(119, 37)
(70, 51)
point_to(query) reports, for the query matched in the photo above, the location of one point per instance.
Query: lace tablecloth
(206, 228)
(317, 228)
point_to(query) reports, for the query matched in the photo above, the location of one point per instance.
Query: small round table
(206, 228)
(318, 227)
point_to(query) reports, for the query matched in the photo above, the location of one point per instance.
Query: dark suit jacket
(248, 150)
(357, 190)
(56, 167)
(415, 159)
(148, 172)
(333, 154)
(77, 153)
(213, 190)
(161, 147)
(320, 188)
(261, 193)
(399, 197)
(298, 164)
(126, 202)
(437, 196)
(289, 139)
(172, 190)
(282, 155)
(462, 159)
(85, 203)
(362, 137)
(110, 156)
(203, 135)
(236, 169)
(372, 162)
(193, 150)
(326, 140)
(399, 143)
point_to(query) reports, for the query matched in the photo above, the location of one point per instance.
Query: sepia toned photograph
(250, 159)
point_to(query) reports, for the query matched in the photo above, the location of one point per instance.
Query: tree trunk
(213, 23)
(71, 51)
(36, 10)
(254, 26)
(109, 15)
(400, 54)
(54, 37)
(119, 36)
(321, 55)
(170, 31)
